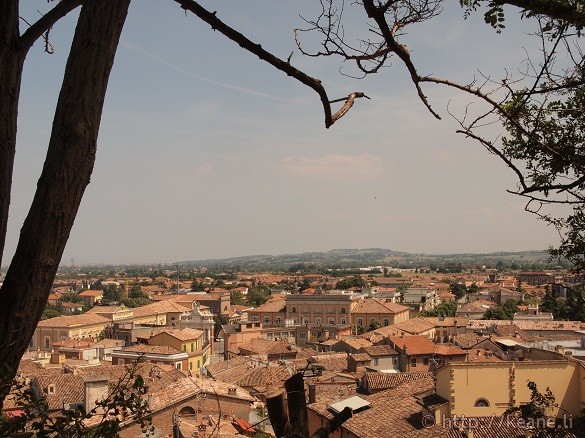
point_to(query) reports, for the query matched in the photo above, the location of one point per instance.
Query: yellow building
(190, 341)
(62, 328)
(486, 389)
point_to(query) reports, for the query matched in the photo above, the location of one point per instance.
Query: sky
(207, 152)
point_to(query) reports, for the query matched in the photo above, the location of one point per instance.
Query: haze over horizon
(205, 152)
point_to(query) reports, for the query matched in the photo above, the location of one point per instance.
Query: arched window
(187, 411)
(318, 309)
(343, 310)
(293, 309)
(317, 320)
(481, 403)
(386, 322)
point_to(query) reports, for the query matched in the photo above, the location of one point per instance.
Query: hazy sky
(206, 152)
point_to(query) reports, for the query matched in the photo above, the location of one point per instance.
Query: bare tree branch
(46, 22)
(256, 49)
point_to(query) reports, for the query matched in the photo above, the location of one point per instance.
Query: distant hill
(358, 258)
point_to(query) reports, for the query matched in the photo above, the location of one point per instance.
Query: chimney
(95, 389)
(312, 393)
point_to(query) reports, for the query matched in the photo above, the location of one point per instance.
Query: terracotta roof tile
(379, 350)
(84, 319)
(271, 306)
(186, 334)
(166, 306)
(155, 349)
(378, 381)
(414, 344)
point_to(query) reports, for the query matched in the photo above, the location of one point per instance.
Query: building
(485, 389)
(375, 310)
(235, 335)
(271, 313)
(217, 302)
(332, 308)
(199, 318)
(61, 328)
(190, 341)
(420, 298)
(159, 354)
(384, 358)
(92, 296)
(420, 354)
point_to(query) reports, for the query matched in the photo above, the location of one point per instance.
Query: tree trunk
(66, 173)
(11, 62)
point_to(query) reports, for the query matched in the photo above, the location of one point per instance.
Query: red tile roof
(414, 345)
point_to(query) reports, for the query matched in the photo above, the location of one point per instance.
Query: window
(190, 366)
(386, 322)
(425, 361)
(278, 320)
(266, 320)
(317, 320)
(342, 321)
(331, 321)
(413, 362)
(481, 403)
(184, 347)
(360, 322)
(47, 342)
(302, 335)
(198, 364)
(178, 365)
(255, 318)
(330, 309)
(192, 346)
(51, 389)
(293, 309)
(343, 310)
(318, 309)
(376, 361)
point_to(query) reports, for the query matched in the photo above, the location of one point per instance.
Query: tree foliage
(350, 283)
(570, 307)
(443, 309)
(236, 297)
(124, 401)
(258, 295)
(374, 325)
(504, 311)
(537, 415)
